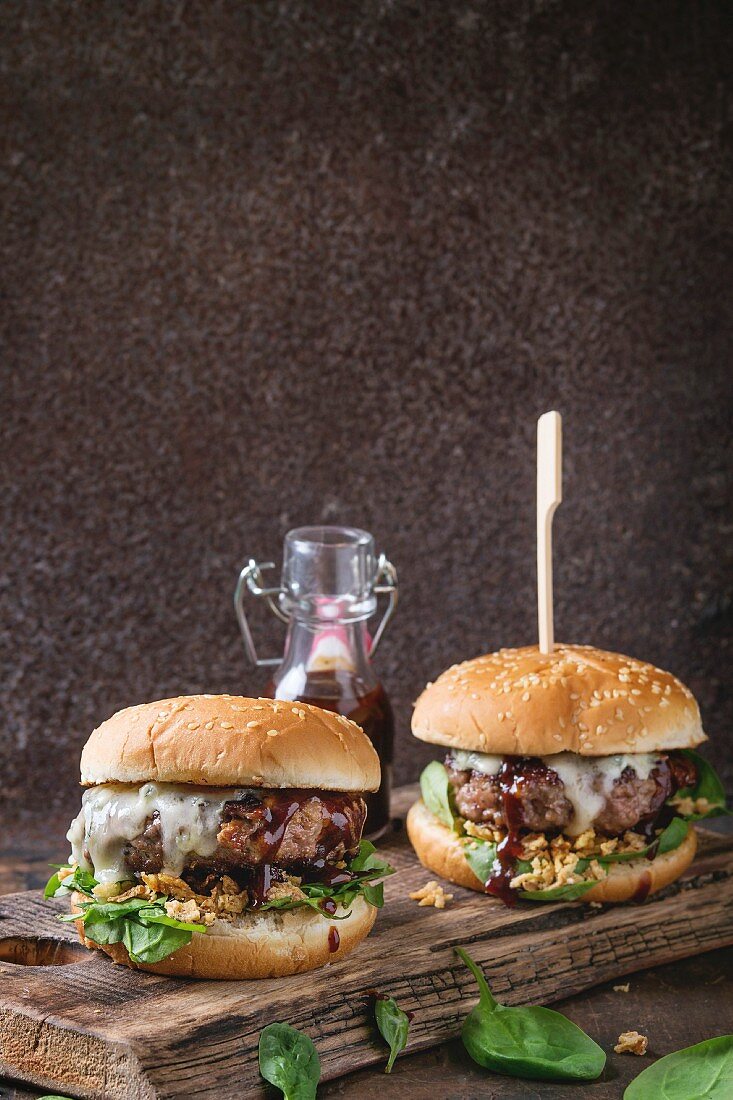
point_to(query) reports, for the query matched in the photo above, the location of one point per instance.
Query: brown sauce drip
(276, 811)
(328, 905)
(642, 890)
(510, 848)
(333, 939)
(276, 815)
(510, 778)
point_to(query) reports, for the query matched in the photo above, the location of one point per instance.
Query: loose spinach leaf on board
(289, 1060)
(703, 1071)
(708, 786)
(437, 794)
(394, 1027)
(480, 857)
(530, 1042)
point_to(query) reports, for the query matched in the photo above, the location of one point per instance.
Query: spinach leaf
(80, 880)
(150, 943)
(671, 837)
(142, 924)
(53, 884)
(708, 786)
(437, 794)
(568, 892)
(289, 1060)
(374, 894)
(480, 857)
(529, 1042)
(704, 1070)
(394, 1026)
(366, 866)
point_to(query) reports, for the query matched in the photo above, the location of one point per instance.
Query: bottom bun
(257, 945)
(441, 851)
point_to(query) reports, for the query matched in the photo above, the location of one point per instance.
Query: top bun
(229, 741)
(520, 702)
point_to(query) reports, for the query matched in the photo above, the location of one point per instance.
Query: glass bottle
(331, 578)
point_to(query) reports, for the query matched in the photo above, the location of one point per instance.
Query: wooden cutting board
(88, 1028)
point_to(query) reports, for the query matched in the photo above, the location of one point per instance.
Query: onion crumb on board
(631, 1042)
(432, 894)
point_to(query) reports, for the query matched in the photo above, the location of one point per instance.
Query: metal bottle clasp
(251, 580)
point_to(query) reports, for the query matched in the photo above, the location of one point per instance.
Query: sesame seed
(629, 729)
(556, 737)
(227, 725)
(508, 714)
(562, 723)
(574, 695)
(600, 729)
(272, 733)
(192, 725)
(208, 725)
(500, 716)
(525, 697)
(253, 725)
(664, 702)
(635, 691)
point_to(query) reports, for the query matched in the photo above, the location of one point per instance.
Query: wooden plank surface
(97, 1030)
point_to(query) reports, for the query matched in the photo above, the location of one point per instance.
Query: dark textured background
(267, 264)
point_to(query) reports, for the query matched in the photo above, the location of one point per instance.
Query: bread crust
(441, 851)
(273, 944)
(520, 702)
(231, 741)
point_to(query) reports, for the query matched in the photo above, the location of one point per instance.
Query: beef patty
(290, 828)
(542, 805)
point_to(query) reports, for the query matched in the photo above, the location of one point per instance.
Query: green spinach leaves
(708, 786)
(437, 794)
(142, 925)
(394, 1026)
(289, 1060)
(704, 1070)
(366, 867)
(529, 1042)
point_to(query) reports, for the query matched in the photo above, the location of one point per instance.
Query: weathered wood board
(92, 1029)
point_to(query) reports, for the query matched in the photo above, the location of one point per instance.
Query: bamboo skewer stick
(549, 495)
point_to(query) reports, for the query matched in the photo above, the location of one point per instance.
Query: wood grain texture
(97, 1030)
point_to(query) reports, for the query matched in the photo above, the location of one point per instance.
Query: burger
(567, 776)
(220, 837)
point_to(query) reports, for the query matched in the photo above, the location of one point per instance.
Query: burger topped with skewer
(569, 775)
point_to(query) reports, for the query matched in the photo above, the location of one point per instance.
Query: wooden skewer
(549, 495)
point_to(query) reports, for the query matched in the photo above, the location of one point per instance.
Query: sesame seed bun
(230, 741)
(521, 702)
(441, 851)
(256, 945)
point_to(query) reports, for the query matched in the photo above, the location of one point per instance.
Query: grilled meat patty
(541, 804)
(289, 828)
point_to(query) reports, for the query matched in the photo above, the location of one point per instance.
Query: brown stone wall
(274, 263)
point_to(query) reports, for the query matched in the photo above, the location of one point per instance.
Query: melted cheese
(477, 762)
(114, 814)
(588, 781)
